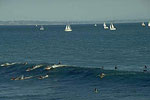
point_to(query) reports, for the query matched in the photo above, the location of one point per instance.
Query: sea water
(84, 50)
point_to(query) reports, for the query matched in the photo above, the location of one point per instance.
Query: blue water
(85, 50)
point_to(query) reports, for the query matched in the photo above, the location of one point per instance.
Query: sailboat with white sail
(112, 27)
(41, 28)
(143, 24)
(149, 23)
(95, 25)
(68, 28)
(105, 26)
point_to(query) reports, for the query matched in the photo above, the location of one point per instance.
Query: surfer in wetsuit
(102, 75)
(95, 90)
(18, 78)
(59, 62)
(145, 68)
(116, 68)
(42, 77)
(25, 63)
(13, 78)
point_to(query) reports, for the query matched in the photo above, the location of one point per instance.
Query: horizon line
(39, 22)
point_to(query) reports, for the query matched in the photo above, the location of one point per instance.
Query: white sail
(104, 24)
(68, 28)
(41, 28)
(143, 24)
(149, 24)
(95, 25)
(105, 27)
(112, 27)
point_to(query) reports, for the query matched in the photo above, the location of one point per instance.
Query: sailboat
(112, 27)
(149, 23)
(41, 28)
(68, 28)
(95, 25)
(143, 24)
(105, 27)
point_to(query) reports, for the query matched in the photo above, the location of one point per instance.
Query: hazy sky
(74, 10)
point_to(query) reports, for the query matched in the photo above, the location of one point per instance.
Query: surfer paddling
(43, 77)
(21, 78)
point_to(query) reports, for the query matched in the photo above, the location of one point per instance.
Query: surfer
(102, 75)
(48, 68)
(116, 67)
(13, 78)
(18, 78)
(25, 63)
(28, 69)
(145, 69)
(59, 63)
(95, 90)
(42, 77)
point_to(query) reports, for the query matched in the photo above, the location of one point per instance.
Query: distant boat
(112, 27)
(149, 24)
(68, 28)
(95, 25)
(105, 27)
(36, 25)
(143, 24)
(41, 28)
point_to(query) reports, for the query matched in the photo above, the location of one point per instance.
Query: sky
(74, 10)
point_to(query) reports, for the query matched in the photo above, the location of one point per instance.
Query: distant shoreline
(66, 22)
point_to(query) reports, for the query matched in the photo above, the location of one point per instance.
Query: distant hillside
(22, 22)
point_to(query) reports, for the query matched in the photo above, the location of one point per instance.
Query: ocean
(86, 52)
